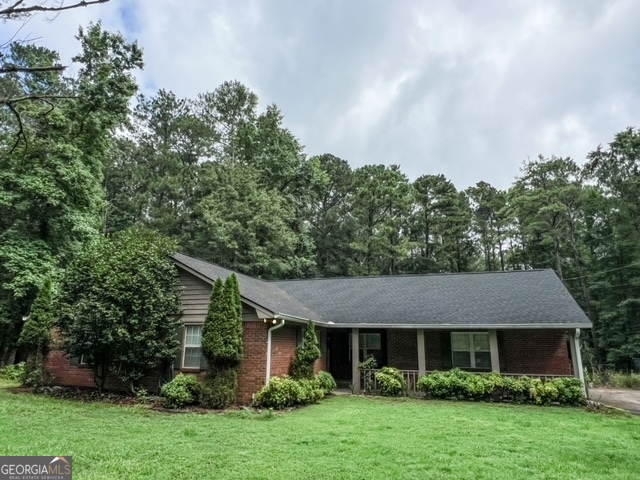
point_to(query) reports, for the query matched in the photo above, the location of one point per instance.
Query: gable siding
(195, 298)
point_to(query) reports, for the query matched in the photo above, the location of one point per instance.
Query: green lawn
(343, 437)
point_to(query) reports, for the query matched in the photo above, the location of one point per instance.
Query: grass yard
(343, 437)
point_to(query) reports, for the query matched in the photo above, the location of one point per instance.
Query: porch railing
(538, 376)
(369, 383)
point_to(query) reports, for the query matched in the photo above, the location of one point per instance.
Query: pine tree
(222, 344)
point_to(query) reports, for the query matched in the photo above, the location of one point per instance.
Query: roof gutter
(293, 318)
(457, 326)
(269, 332)
(440, 326)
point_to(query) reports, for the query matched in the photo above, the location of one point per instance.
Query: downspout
(578, 361)
(275, 327)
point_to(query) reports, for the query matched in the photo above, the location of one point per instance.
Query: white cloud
(468, 89)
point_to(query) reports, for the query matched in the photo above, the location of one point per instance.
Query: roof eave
(446, 326)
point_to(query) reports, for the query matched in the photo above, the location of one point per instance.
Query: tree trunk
(558, 260)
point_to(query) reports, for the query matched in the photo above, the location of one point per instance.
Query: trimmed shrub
(543, 393)
(488, 387)
(391, 382)
(326, 382)
(310, 391)
(222, 330)
(570, 391)
(281, 392)
(444, 384)
(306, 354)
(222, 344)
(183, 390)
(517, 389)
(479, 387)
(219, 389)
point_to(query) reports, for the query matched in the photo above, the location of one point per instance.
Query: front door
(372, 342)
(338, 354)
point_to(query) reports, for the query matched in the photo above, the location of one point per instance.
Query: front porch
(537, 353)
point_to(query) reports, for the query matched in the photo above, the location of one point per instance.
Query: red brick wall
(520, 351)
(61, 372)
(534, 351)
(283, 348)
(402, 349)
(433, 350)
(251, 375)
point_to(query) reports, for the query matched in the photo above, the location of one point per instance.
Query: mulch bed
(87, 395)
(91, 395)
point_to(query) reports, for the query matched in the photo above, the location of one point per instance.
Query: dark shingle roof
(509, 299)
(514, 298)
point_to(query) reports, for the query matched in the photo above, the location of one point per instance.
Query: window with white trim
(192, 353)
(470, 350)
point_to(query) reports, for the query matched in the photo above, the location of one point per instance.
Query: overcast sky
(468, 88)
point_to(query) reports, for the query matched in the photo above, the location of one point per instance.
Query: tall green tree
(160, 163)
(544, 199)
(381, 200)
(51, 191)
(230, 112)
(119, 306)
(332, 227)
(614, 242)
(489, 224)
(244, 226)
(440, 224)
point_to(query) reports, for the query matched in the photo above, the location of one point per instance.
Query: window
(471, 350)
(192, 346)
(370, 344)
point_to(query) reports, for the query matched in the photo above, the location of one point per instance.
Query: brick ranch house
(516, 323)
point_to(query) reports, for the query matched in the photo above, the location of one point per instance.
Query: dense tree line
(232, 185)
(229, 183)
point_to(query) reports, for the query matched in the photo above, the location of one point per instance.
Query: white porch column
(495, 356)
(422, 358)
(576, 355)
(355, 359)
